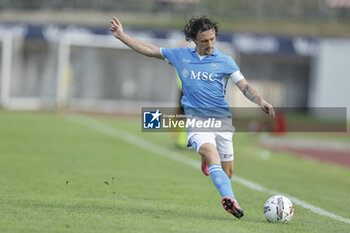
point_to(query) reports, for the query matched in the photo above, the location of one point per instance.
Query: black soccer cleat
(231, 206)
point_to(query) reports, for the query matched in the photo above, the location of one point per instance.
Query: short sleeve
(234, 72)
(170, 55)
(233, 67)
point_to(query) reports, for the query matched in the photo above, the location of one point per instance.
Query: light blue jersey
(204, 80)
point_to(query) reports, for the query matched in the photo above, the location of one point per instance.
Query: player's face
(205, 42)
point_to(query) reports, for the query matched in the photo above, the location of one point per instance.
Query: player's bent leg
(206, 147)
(226, 153)
(220, 179)
(228, 167)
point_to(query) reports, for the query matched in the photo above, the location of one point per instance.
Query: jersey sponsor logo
(151, 120)
(186, 60)
(203, 76)
(185, 73)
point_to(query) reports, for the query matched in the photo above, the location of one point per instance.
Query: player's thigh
(197, 139)
(205, 145)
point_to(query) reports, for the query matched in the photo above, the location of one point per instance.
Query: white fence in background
(86, 73)
(97, 73)
(94, 73)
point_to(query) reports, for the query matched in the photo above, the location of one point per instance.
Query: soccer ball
(278, 209)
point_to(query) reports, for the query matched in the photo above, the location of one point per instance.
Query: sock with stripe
(221, 180)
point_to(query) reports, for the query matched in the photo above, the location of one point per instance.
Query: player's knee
(210, 154)
(206, 150)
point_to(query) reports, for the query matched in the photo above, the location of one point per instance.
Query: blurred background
(59, 54)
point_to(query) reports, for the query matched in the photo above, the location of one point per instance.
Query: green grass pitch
(60, 176)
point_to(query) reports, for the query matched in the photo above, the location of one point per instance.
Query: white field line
(154, 148)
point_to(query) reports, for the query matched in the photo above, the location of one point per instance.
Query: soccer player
(204, 72)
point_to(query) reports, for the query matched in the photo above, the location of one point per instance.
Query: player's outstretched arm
(250, 93)
(137, 45)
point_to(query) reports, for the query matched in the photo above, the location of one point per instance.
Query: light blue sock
(221, 180)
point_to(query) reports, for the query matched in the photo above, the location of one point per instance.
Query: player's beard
(209, 50)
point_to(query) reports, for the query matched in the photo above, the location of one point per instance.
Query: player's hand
(267, 108)
(116, 28)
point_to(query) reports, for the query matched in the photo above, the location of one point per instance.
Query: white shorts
(221, 140)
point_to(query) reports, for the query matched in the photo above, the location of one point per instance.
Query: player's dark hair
(199, 24)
